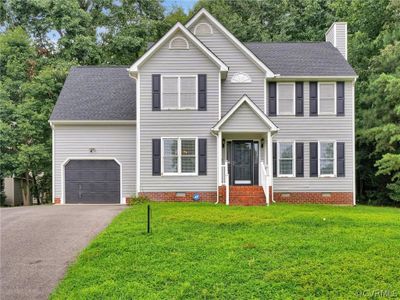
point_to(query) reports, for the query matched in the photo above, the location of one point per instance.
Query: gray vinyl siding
(237, 62)
(176, 123)
(110, 141)
(244, 119)
(312, 129)
(341, 38)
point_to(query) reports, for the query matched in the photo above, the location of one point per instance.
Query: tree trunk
(26, 192)
(36, 189)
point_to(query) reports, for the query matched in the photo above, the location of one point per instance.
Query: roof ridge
(288, 42)
(101, 66)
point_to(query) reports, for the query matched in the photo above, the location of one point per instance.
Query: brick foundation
(57, 200)
(343, 198)
(172, 196)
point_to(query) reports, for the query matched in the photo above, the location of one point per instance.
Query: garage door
(92, 181)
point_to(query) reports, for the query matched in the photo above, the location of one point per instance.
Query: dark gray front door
(92, 181)
(242, 162)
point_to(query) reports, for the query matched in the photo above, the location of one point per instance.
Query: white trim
(254, 107)
(178, 26)
(219, 158)
(171, 47)
(219, 97)
(334, 35)
(278, 157)
(240, 77)
(243, 48)
(354, 142)
(296, 77)
(294, 99)
(68, 159)
(271, 163)
(334, 175)
(179, 92)
(138, 161)
(345, 41)
(179, 156)
(53, 173)
(92, 122)
(334, 98)
(203, 23)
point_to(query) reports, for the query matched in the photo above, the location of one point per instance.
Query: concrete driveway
(39, 242)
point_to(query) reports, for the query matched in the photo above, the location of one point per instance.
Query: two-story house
(204, 116)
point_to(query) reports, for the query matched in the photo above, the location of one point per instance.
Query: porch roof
(262, 118)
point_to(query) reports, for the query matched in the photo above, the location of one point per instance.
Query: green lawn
(203, 251)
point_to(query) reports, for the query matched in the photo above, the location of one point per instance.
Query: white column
(219, 157)
(270, 161)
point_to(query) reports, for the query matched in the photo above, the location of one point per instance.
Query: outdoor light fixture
(262, 143)
(223, 143)
(92, 150)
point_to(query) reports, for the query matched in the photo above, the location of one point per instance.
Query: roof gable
(204, 13)
(186, 33)
(242, 105)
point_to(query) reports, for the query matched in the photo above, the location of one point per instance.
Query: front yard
(199, 250)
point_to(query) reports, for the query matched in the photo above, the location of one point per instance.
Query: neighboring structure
(11, 187)
(203, 113)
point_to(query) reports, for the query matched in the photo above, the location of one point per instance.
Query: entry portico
(244, 148)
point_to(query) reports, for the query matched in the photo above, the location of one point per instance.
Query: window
(179, 43)
(327, 98)
(179, 92)
(327, 159)
(286, 98)
(179, 156)
(285, 159)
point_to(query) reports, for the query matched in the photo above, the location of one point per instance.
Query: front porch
(245, 155)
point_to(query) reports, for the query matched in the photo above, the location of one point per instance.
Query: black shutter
(274, 164)
(272, 98)
(313, 159)
(313, 98)
(156, 157)
(299, 159)
(340, 159)
(299, 99)
(156, 89)
(202, 156)
(202, 91)
(340, 98)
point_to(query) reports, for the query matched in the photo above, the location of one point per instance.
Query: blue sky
(185, 4)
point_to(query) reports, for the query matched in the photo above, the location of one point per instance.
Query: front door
(242, 162)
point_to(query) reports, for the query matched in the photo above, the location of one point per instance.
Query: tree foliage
(41, 39)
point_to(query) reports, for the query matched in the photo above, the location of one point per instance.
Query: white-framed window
(179, 156)
(203, 29)
(327, 159)
(179, 43)
(286, 93)
(286, 161)
(326, 98)
(178, 92)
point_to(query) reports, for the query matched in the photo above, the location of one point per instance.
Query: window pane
(326, 166)
(170, 147)
(188, 147)
(327, 98)
(327, 150)
(188, 164)
(286, 167)
(170, 164)
(170, 92)
(286, 98)
(285, 150)
(188, 92)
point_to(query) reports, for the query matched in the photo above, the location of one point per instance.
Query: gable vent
(203, 29)
(241, 78)
(179, 43)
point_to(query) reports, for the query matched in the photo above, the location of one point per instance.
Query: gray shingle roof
(97, 93)
(302, 58)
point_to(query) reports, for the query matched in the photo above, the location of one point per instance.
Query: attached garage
(94, 181)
